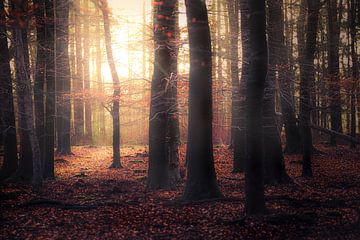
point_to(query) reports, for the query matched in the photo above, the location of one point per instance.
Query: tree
(334, 19)
(240, 133)
(79, 80)
(39, 78)
(22, 75)
(86, 61)
(7, 116)
(254, 185)
(164, 30)
(307, 77)
(172, 125)
(233, 9)
(63, 78)
(48, 161)
(274, 166)
(103, 5)
(24, 91)
(201, 177)
(355, 70)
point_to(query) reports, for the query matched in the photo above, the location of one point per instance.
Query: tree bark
(7, 116)
(334, 19)
(63, 78)
(164, 32)
(22, 72)
(274, 166)
(254, 184)
(240, 133)
(116, 82)
(307, 77)
(201, 177)
(88, 109)
(39, 79)
(48, 161)
(24, 91)
(79, 80)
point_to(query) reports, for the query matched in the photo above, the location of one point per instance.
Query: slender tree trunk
(79, 80)
(116, 82)
(39, 80)
(334, 19)
(20, 40)
(354, 73)
(48, 161)
(10, 163)
(306, 79)
(88, 110)
(233, 15)
(201, 177)
(240, 133)
(254, 185)
(286, 81)
(24, 92)
(63, 78)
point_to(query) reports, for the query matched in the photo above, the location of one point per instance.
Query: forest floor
(89, 201)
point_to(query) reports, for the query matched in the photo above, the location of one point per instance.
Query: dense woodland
(216, 119)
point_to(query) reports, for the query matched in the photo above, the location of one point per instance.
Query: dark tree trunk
(254, 184)
(20, 40)
(334, 19)
(172, 125)
(88, 109)
(39, 79)
(25, 97)
(48, 161)
(355, 70)
(116, 82)
(201, 177)
(164, 30)
(286, 82)
(233, 12)
(307, 77)
(63, 78)
(274, 167)
(79, 80)
(7, 115)
(240, 133)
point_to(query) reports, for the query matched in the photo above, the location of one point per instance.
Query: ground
(89, 201)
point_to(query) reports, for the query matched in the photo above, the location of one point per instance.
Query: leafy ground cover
(90, 201)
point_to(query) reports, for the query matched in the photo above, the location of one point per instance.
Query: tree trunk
(164, 32)
(254, 185)
(10, 163)
(48, 161)
(116, 82)
(286, 80)
(240, 133)
(354, 73)
(233, 9)
(24, 93)
(20, 40)
(39, 79)
(79, 80)
(274, 166)
(201, 177)
(63, 78)
(172, 125)
(88, 109)
(334, 19)
(307, 77)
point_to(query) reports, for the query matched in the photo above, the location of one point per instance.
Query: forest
(168, 119)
